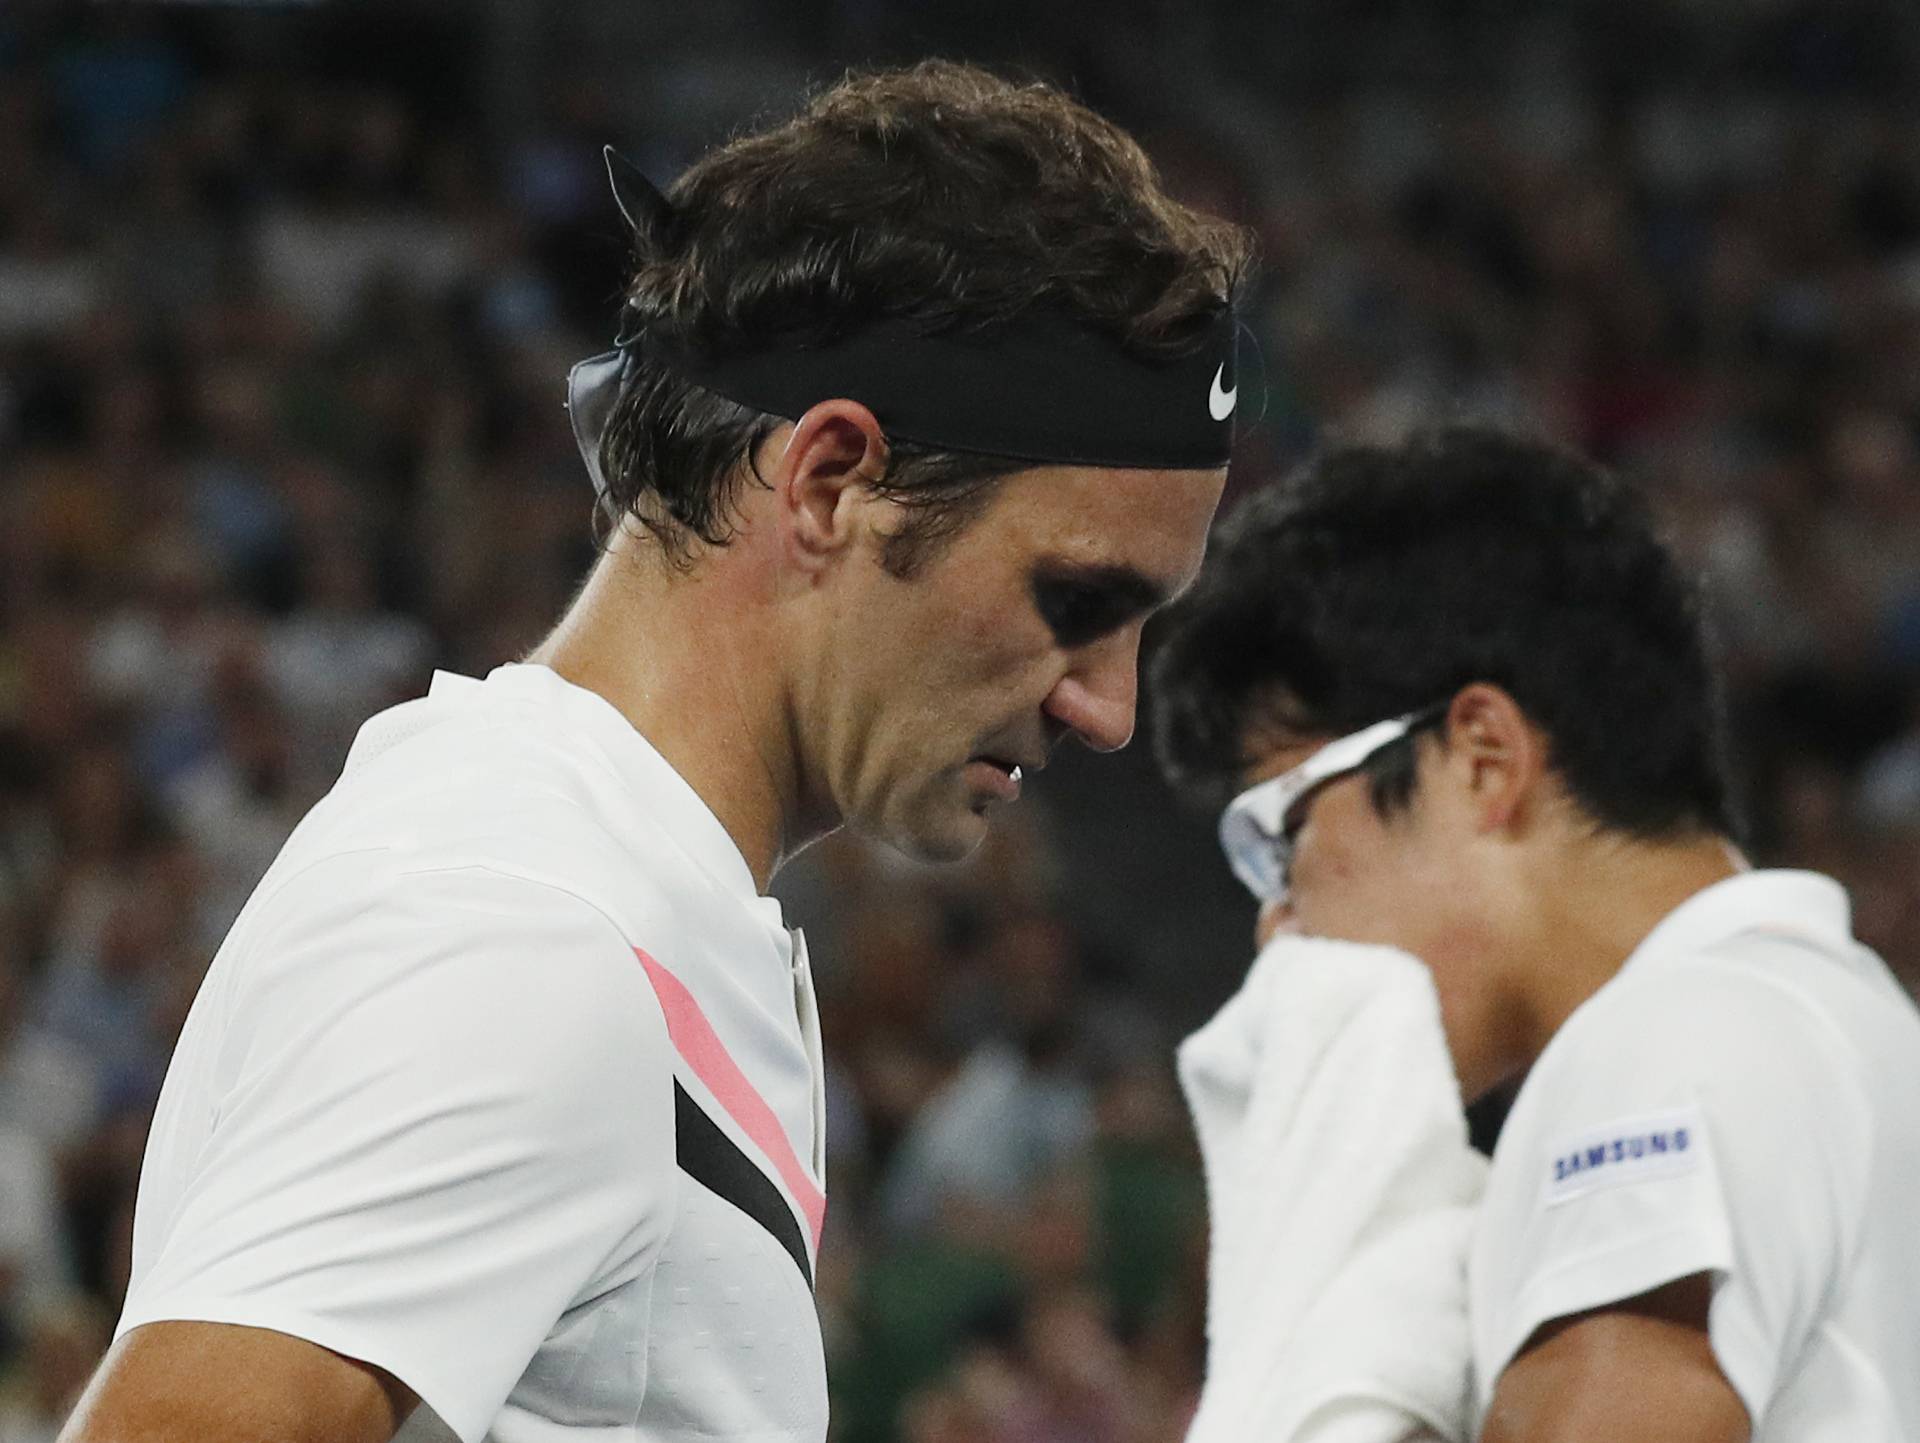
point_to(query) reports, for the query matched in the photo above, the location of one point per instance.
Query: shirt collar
(1806, 903)
(669, 797)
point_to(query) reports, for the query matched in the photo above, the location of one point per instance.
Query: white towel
(1340, 1189)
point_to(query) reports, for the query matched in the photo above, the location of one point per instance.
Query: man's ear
(1499, 752)
(822, 474)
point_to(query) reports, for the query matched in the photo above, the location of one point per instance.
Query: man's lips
(1000, 775)
(1011, 765)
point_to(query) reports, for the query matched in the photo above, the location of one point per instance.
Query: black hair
(1379, 581)
(941, 195)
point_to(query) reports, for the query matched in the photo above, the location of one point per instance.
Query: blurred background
(287, 296)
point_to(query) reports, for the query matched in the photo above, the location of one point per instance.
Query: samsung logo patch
(1639, 1149)
(1630, 1148)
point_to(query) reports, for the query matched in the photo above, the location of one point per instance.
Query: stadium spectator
(1687, 241)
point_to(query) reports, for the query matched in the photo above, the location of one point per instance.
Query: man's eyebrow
(1123, 586)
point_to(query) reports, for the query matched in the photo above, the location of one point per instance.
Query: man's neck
(685, 656)
(1606, 901)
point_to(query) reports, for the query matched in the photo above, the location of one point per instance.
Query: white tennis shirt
(1743, 1100)
(507, 1081)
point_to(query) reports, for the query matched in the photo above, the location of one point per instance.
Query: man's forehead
(1143, 528)
(1272, 759)
(1270, 744)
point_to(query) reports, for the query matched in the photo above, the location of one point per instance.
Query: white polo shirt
(507, 1081)
(1743, 1099)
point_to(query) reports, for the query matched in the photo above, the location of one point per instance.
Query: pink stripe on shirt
(695, 1040)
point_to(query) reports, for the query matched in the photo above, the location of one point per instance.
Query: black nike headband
(1041, 388)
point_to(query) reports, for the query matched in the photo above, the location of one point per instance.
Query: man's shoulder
(1671, 1024)
(1754, 1030)
(507, 971)
(1743, 996)
(479, 789)
(419, 767)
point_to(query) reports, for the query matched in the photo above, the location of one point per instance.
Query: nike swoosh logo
(1219, 401)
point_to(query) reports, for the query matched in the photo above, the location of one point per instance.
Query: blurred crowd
(281, 360)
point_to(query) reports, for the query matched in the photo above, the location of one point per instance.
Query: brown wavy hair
(942, 195)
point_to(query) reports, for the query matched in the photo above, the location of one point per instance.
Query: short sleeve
(1698, 1122)
(443, 1114)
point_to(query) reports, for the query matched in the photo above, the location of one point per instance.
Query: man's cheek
(1328, 899)
(1329, 911)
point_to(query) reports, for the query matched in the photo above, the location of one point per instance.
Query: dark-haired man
(500, 1110)
(1461, 690)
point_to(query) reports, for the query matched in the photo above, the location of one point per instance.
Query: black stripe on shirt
(712, 1159)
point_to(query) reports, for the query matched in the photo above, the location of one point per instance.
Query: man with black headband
(1459, 696)
(499, 1114)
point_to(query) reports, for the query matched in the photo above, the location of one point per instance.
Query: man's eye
(1076, 614)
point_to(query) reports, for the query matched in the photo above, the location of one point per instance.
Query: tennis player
(499, 1113)
(1465, 691)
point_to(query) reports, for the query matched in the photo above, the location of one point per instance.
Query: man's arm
(1634, 1372)
(453, 1119)
(217, 1383)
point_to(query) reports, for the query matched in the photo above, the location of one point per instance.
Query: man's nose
(1098, 699)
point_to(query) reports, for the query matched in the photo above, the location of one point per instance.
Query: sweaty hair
(942, 196)
(1378, 582)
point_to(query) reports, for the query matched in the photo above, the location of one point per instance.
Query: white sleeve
(442, 1114)
(1702, 1123)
